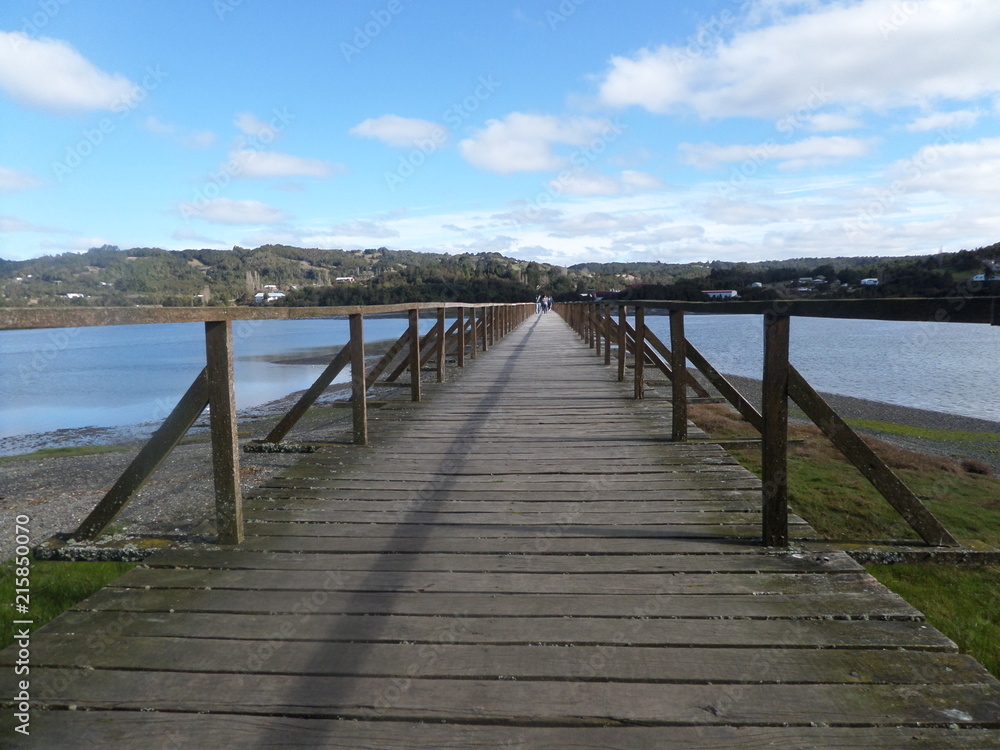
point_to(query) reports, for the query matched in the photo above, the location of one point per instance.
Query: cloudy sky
(555, 130)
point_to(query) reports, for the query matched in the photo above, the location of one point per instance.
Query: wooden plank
(149, 458)
(869, 603)
(128, 729)
(555, 631)
(875, 470)
(529, 702)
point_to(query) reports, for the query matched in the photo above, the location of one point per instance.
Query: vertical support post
(640, 352)
(359, 386)
(598, 327)
(591, 323)
(486, 318)
(474, 329)
(678, 365)
(225, 439)
(460, 314)
(622, 341)
(774, 456)
(414, 355)
(441, 348)
(607, 334)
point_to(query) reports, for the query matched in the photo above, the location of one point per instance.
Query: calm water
(946, 367)
(125, 375)
(110, 377)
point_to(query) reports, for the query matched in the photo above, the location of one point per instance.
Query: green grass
(54, 588)
(963, 602)
(76, 450)
(956, 436)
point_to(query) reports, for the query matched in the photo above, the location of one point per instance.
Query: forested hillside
(310, 276)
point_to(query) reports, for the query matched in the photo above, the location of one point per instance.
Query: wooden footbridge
(526, 558)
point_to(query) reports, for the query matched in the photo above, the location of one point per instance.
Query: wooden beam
(149, 458)
(359, 386)
(774, 452)
(440, 348)
(308, 398)
(225, 438)
(460, 313)
(868, 463)
(414, 358)
(664, 352)
(622, 344)
(387, 359)
(640, 354)
(679, 366)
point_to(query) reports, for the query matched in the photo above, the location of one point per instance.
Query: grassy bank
(963, 602)
(54, 588)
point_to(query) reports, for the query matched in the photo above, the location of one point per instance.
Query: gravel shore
(58, 493)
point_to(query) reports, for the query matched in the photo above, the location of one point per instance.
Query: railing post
(414, 355)
(607, 333)
(359, 386)
(486, 340)
(225, 439)
(678, 365)
(774, 455)
(598, 328)
(622, 340)
(640, 352)
(460, 314)
(441, 348)
(474, 329)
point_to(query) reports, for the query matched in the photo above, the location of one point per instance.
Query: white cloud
(952, 169)
(361, 228)
(870, 53)
(523, 142)
(586, 182)
(598, 223)
(809, 152)
(13, 180)
(402, 132)
(251, 163)
(964, 118)
(14, 224)
(50, 74)
(251, 125)
(228, 211)
(189, 138)
(829, 122)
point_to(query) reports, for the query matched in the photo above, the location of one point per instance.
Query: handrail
(780, 382)
(214, 386)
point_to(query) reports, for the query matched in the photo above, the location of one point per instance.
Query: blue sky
(555, 130)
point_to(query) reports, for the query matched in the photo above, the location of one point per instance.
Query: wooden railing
(596, 323)
(476, 328)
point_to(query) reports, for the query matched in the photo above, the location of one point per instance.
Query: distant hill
(110, 276)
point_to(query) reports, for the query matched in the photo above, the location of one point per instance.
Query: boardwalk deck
(522, 561)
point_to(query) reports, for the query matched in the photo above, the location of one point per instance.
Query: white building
(720, 293)
(869, 282)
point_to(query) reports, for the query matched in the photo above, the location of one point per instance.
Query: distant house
(345, 279)
(262, 298)
(72, 295)
(869, 282)
(270, 288)
(982, 277)
(720, 293)
(757, 285)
